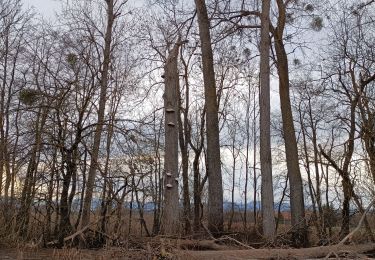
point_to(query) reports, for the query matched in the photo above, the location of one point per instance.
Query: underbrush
(130, 235)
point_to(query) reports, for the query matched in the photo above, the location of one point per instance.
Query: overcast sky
(45, 7)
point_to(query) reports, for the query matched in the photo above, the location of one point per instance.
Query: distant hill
(250, 206)
(227, 206)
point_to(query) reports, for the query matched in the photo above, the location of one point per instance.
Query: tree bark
(170, 220)
(299, 233)
(65, 226)
(23, 216)
(247, 131)
(184, 138)
(268, 215)
(215, 186)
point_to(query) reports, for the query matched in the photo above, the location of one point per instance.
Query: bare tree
(170, 221)
(112, 12)
(14, 27)
(215, 185)
(296, 188)
(265, 122)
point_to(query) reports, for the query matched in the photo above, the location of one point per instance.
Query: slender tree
(111, 12)
(265, 122)
(296, 188)
(215, 185)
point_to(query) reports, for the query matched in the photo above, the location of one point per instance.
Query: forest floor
(362, 251)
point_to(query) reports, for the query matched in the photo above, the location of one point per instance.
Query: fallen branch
(208, 232)
(349, 236)
(345, 177)
(235, 241)
(278, 253)
(225, 238)
(78, 232)
(200, 245)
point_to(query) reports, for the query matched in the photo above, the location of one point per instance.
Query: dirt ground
(365, 251)
(67, 254)
(342, 252)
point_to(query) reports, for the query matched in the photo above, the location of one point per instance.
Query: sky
(45, 7)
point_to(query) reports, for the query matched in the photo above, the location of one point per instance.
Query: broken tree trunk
(170, 221)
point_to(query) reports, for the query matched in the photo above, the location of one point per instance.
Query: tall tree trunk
(197, 195)
(255, 177)
(157, 178)
(317, 171)
(299, 232)
(6, 59)
(81, 199)
(234, 157)
(215, 185)
(49, 202)
(65, 226)
(184, 137)
(268, 215)
(196, 174)
(14, 159)
(23, 215)
(308, 171)
(247, 127)
(131, 206)
(170, 221)
(325, 172)
(106, 198)
(85, 217)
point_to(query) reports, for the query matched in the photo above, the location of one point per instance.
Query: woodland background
(87, 142)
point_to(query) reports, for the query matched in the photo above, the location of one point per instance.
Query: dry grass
(134, 244)
(145, 248)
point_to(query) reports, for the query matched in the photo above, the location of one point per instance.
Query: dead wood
(82, 230)
(303, 253)
(200, 245)
(350, 235)
(77, 233)
(224, 238)
(208, 232)
(231, 239)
